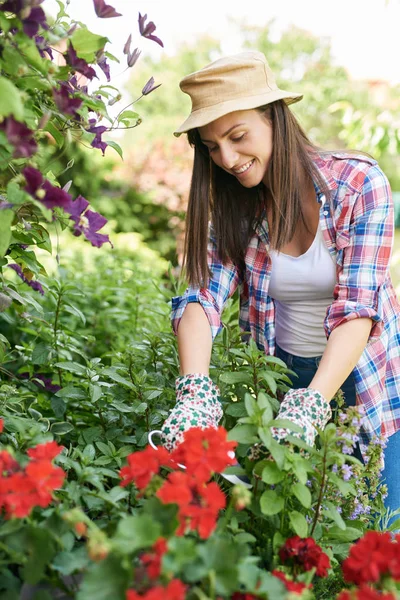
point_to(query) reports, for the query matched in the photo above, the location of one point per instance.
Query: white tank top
(302, 288)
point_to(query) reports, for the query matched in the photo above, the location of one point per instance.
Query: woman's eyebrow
(224, 134)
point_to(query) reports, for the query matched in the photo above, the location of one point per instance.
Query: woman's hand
(306, 408)
(197, 405)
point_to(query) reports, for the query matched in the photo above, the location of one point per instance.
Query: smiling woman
(306, 235)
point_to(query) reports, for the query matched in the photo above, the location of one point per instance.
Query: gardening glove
(304, 407)
(197, 405)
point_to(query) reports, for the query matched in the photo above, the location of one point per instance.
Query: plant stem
(321, 491)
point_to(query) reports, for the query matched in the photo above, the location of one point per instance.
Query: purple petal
(104, 66)
(33, 178)
(56, 197)
(104, 11)
(147, 30)
(79, 64)
(150, 87)
(42, 46)
(21, 137)
(77, 207)
(66, 103)
(132, 57)
(127, 46)
(96, 221)
(35, 19)
(35, 285)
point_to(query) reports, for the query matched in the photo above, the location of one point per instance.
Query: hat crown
(229, 78)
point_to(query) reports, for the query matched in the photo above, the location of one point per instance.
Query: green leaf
(343, 535)
(61, 428)
(270, 381)
(72, 367)
(105, 580)
(112, 374)
(56, 133)
(69, 562)
(244, 434)
(236, 377)
(271, 503)
(7, 216)
(10, 100)
(41, 354)
(59, 407)
(251, 405)
(86, 43)
(302, 493)
(135, 533)
(236, 409)
(332, 512)
(73, 310)
(271, 473)
(39, 550)
(298, 523)
(70, 392)
(300, 470)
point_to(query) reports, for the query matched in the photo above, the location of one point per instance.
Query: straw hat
(237, 82)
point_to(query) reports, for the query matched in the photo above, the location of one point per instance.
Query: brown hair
(218, 196)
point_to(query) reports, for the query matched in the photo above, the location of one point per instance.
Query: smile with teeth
(245, 168)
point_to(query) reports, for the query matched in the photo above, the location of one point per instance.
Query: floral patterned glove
(304, 407)
(197, 405)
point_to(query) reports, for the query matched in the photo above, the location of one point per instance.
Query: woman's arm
(194, 340)
(344, 348)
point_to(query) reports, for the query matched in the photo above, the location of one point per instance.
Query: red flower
(306, 553)
(365, 593)
(292, 586)
(143, 466)
(199, 503)
(204, 452)
(175, 590)
(46, 451)
(374, 555)
(152, 560)
(1, 425)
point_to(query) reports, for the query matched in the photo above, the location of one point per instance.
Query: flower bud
(241, 497)
(80, 528)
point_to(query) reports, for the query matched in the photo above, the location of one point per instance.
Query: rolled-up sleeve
(366, 248)
(223, 283)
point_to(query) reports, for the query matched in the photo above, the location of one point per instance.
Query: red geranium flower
(365, 593)
(143, 466)
(204, 452)
(306, 553)
(46, 451)
(1, 425)
(152, 560)
(374, 555)
(175, 590)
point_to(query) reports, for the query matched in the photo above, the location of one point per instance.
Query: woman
(307, 235)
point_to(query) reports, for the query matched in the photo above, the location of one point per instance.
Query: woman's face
(241, 144)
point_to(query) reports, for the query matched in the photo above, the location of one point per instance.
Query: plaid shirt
(357, 226)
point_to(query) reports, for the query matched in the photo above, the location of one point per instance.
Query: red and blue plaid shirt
(357, 225)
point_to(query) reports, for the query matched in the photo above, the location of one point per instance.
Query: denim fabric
(305, 369)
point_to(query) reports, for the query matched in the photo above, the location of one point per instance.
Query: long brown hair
(234, 210)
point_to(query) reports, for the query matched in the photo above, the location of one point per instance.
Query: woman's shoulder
(349, 168)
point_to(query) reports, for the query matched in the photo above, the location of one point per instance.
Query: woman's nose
(229, 157)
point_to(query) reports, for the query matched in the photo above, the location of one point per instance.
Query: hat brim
(208, 114)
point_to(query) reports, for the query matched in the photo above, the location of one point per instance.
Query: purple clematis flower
(147, 30)
(133, 56)
(43, 48)
(43, 190)
(103, 64)
(127, 46)
(79, 64)
(98, 130)
(88, 222)
(66, 103)
(20, 136)
(150, 87)
(83, 89)
(35, 285)
(32, 17)
(105, 11)
(47, 381)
